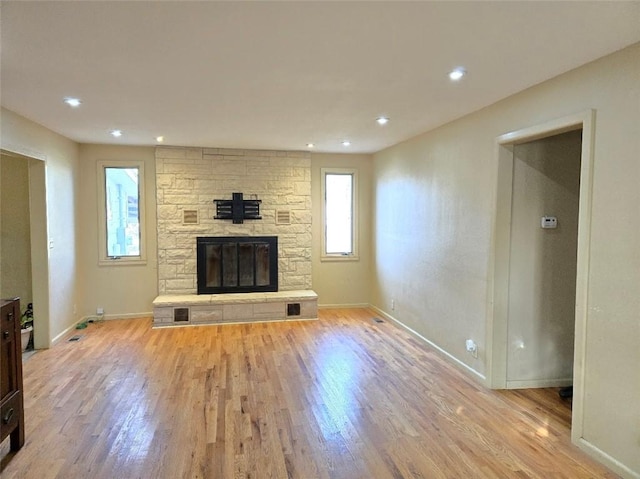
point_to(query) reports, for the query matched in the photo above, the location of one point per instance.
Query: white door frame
(499, 258)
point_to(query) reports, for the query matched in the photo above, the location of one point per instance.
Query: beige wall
(15, 231)
(342, 283)
(434, 203)
(56, 274)
(122, 290)
(542, 285)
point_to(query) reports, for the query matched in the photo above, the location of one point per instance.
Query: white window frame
(103, 259)
(353, 256)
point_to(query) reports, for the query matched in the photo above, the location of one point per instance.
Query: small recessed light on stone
(382, 120)
(310, 145)
(159, 139)
(73, 102)
(346, 143)
(457, 73)
(116, 133)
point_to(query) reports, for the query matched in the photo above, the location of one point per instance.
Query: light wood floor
(342, 397)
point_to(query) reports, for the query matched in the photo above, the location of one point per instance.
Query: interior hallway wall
(435, 201)
(15, 231)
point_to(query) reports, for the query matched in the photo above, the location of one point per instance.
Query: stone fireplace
(188, 180)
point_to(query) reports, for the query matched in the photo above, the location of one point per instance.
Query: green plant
(26, 319)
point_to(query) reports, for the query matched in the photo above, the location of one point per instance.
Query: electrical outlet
(472, 347)
(100, 311)
(393, 305)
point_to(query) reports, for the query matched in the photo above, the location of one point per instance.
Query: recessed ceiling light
(346, 143)
(457, 73)
(116, 133)
(310, 145)
(159, 139)
(382, 120)
(73, 102)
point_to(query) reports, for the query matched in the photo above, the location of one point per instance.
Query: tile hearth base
(200, 309)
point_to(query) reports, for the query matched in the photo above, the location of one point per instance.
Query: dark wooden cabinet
(11, 398)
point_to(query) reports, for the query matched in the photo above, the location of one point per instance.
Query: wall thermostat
(549, 222)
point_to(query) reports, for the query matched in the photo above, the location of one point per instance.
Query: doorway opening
(30, 218)
(542, 261)
(518, 275)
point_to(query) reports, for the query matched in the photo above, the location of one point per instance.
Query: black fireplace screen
(237, 264)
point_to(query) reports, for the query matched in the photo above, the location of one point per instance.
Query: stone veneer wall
(191, 178)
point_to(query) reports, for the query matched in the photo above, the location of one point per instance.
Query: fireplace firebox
(237, 264)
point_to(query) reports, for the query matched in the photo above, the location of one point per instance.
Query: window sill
(339, 257)
(122, 262)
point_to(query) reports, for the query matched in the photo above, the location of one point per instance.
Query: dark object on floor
(566, 393)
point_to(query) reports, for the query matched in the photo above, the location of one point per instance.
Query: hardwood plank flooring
(343, 397)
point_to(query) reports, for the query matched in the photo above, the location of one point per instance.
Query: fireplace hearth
(237, 264)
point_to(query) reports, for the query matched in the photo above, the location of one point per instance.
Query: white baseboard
(539, 383)
(601, 456)
(59, 337)
(84, 319)
(451, 358)
(107, 317)
(125, 316)
(340, 306)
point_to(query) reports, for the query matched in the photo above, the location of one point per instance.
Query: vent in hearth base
(283, 217)
(180, 315)
(293, 309)
(189, 217)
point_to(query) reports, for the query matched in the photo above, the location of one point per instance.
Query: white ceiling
(277, 75)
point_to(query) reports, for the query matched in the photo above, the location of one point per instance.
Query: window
(339, 214)
(121, 212)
